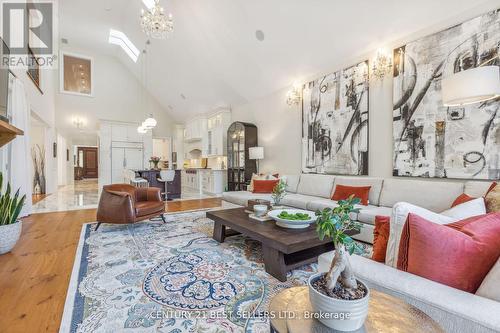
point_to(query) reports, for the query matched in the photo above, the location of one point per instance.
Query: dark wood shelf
(8, 133)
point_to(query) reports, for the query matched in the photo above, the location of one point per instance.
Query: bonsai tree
(334, 224)
(10, 207)
(279, 191)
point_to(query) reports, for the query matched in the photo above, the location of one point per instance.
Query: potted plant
(337, 295)
(10, 226)
(279, 192)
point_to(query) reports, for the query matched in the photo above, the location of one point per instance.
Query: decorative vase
(343, 315)
(9, 235)
(37, 190)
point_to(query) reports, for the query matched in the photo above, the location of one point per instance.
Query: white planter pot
(341, 315)
(9, 235)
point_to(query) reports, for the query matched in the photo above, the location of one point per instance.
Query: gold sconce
(382, 65)
(294, 95)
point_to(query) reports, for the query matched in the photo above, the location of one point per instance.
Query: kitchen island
(173, 187)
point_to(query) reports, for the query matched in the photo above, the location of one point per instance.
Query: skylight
(119, 38)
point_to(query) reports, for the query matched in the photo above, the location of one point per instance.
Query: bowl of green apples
(293, 218)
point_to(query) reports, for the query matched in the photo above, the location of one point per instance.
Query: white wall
(117, 97)
(279, 126)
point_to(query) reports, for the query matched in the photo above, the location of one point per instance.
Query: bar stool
(165, 177)
(131, 178)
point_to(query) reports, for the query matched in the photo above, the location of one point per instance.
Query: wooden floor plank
(34, 277)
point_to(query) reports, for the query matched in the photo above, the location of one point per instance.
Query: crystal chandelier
(155, 23)
(382, 65)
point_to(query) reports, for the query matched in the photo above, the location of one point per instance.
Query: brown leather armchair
(123, 203)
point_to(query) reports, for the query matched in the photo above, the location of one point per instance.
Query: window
(119, 38)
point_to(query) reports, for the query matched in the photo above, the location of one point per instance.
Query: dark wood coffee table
(283, 249)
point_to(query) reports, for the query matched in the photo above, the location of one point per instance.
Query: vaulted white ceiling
(213, 57)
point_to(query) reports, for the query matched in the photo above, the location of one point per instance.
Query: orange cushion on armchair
(343, 192)
(441, 253)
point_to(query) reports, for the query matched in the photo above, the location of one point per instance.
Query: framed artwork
(430, 139)
(34, 69)
(77, 74)
(335, 123)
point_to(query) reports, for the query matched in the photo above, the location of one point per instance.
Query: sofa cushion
(457, 258)
(399, 215)
(477, 189)
(368, 213)
(375, 183)
(344, 192)
(321, 203)
(297, 200)
(467, 209)
(492, 200)
(316, 185)
(489, 288)
(380, 237)
(434, 196)
(241, 197)
(264, 186)
(292, 182)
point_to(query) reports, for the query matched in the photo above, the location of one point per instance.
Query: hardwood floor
(34, 277)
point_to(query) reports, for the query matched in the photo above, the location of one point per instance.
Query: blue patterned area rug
(173, 277)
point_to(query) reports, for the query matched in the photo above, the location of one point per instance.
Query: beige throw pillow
(492, 200)
(490, 286)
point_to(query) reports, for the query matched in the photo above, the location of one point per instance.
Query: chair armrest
(116, 207)
(148, 194)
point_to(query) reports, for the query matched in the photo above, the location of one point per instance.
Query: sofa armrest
(455, 310)
(148, 194)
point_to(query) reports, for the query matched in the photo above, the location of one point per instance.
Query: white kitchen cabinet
(215, 137)
(195, 129)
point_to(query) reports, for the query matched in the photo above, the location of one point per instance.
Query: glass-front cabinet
(240, 137)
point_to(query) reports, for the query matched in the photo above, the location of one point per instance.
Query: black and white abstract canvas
(430, 139)
(335, 123)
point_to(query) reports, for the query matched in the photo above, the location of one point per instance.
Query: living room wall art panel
(335, 123)
(430, 139)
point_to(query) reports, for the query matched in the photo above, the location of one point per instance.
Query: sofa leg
(98, 225)
(163, 218)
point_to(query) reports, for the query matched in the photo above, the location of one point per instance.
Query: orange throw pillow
(456, 258)
(463, 198)
(264, 186)
(343, 192)
(380, 237)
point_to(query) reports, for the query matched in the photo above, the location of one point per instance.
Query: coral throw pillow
(492, 200)
(463, 198)
(264, 186)
(343, 192)
(380, 237)
(459, 256)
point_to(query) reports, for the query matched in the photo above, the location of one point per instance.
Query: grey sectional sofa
(313, 192)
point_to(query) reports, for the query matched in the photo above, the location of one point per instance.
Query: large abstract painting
(335, 123)
(430, 139)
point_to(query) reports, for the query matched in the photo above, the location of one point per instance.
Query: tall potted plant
(10, 226)
(338, 293)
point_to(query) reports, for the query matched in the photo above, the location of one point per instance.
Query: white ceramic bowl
(293, 224)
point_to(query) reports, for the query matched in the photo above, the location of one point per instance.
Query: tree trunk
(340, 270)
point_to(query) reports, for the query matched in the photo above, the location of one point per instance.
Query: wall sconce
(382, 65)
(294, 95)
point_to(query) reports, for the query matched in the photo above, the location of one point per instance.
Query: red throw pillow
(343, 192)
(380, 237)
(457, 258)
(264, 186)
(463, 198)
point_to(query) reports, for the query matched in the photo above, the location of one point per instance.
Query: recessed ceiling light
(119, 38)
(259, 34)
(183, 97)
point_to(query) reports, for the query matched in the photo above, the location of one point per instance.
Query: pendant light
(150, 122)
